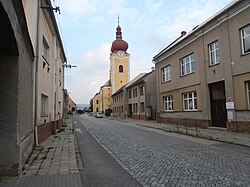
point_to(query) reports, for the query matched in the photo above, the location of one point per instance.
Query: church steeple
(118, 30)
(119, 44)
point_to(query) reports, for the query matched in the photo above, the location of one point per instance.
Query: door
(218, 104)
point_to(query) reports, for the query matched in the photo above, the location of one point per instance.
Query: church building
(119, 74)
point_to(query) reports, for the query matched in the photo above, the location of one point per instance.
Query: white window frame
(44, 105)
(168, 103)
(166, 74)
(244, 39)
(190, 101)
(248, 93)
(214, 53)
(187, 64)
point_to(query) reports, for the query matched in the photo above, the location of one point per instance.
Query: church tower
(119, 62)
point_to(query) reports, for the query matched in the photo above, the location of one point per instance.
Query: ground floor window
(248, 93)
(190, 101)
(142, 107)
(44, 105)
(135, 107)
(168, 103)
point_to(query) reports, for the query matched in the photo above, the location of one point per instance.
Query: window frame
(167, 102)
(193, 99)
(142, 90)
(166, 74)
(212, 51)
(187, 62)
(247, 83)
(242, 38)
(44, 105)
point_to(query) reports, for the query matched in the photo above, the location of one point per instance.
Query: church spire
(118, 30)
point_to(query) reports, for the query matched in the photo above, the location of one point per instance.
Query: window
(120, 69)
(59, 107)
(142, 107)
(60, 77)
(187, 64)
(168, 103)
(214, 53)
(142, 88)
(134, 92)
(135, 107)
(45, 50)
(245, 39)
(129, 94)
(190, 101)
(248, 93)
(166, 73)
(44, 105)
(97, 101)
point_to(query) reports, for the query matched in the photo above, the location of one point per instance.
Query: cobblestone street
(158, 158)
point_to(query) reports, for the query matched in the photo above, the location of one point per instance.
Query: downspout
(36, 72)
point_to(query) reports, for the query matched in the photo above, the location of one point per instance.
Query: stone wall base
(47, 129)
(239, 126)
(189, 122)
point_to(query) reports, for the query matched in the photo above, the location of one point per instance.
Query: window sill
(244, 54)
(44, 115)
(212, 65)
(166, 81)
(187, 74)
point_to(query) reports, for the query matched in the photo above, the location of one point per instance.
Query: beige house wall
(50, 70)
(233, 70)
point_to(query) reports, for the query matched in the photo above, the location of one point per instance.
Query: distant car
(98, 115)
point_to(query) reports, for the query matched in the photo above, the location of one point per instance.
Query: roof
(108, 83)
(179, 39)
(135, 79)
(119, 90)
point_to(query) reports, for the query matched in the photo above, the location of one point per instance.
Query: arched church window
(120, 69)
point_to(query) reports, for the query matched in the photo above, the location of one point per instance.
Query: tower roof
(119, 44)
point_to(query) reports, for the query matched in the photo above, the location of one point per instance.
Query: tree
(91, 105)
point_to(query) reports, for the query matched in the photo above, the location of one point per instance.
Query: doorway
(218, 104)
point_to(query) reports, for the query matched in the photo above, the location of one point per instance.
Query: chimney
(183, 33)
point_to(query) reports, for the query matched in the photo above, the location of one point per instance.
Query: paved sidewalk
(218, 134)
(52, 163)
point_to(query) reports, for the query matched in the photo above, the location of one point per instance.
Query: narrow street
(156, 158)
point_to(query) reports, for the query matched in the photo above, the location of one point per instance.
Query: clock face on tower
(120, 53)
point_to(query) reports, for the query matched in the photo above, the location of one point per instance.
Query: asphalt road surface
(121, 154)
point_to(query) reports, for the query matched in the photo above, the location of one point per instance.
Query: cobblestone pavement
(52, 163)
(212, 133)
(158, 158)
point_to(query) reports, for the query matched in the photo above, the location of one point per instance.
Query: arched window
(120, 69)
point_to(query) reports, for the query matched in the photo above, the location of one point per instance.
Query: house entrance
(218, 104)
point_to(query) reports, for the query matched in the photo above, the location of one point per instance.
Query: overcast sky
(88, 29)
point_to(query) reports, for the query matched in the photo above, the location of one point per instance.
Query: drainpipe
(36, 72)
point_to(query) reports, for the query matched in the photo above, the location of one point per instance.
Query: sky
(88, 29)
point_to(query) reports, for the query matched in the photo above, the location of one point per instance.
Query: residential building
(119, 101)
(141, 97)
(71, 106)
(203, 77)
(16, 88)
(119, 73)
(49, 67)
